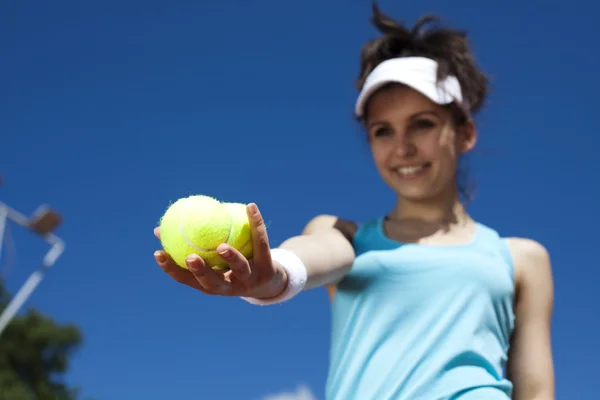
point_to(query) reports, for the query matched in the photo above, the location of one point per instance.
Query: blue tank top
(422, 322)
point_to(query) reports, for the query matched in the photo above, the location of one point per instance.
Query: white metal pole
(36, 277)
(3, 222)
(21, 297)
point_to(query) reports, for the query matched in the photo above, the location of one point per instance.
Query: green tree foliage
(34, 356)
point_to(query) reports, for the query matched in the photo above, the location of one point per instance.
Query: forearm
(327, 255)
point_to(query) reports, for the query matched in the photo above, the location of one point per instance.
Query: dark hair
(448, 47)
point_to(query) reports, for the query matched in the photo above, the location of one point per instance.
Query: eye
(424, 124)
(382, 131)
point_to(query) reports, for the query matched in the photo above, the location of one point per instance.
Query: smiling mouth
(409, 172)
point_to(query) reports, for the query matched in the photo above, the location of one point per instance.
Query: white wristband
(296, 277)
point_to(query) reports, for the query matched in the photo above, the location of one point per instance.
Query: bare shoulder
(531, 259)
(528, 249)
(320, 223)
(325, 222)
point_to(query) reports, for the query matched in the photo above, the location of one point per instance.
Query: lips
(412, 171)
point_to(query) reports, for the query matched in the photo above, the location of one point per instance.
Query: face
(415, 144)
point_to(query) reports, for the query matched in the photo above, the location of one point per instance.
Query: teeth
(413, 169)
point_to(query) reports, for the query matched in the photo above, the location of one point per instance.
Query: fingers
(198, 275)
(260, 240)
(238, 264)
(176, 272)
(242, 276)
(211, 281)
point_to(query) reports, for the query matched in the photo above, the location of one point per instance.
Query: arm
(530, 365)
(324, 247)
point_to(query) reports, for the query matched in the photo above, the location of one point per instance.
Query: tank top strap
(491, 239)
(365, 236)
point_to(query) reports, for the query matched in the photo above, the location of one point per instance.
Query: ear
(467, 137)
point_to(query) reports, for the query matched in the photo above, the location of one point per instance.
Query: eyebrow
(421, 113)
(416, 115)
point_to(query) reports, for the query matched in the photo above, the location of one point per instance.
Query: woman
(427, 303)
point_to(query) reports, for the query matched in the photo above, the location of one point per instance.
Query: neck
(443, 210)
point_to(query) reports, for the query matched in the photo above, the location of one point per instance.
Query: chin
(415, 196)
(416, 193)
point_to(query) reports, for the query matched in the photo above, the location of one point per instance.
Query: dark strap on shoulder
(347, 228)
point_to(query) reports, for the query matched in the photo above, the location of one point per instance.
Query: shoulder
(326, 221)
(531, 260)
(319, 223)
(528, 250)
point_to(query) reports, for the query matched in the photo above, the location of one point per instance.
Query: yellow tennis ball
(240, 237)
(196, 225)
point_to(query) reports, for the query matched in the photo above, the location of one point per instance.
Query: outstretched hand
(258, 277)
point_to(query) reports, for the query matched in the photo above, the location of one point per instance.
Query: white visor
(419, 73)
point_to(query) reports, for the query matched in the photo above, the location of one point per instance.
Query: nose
(404, 147)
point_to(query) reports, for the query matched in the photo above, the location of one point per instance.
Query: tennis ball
(199, 224)
(240, 237)
(195, 225)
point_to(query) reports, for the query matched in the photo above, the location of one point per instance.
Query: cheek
(430, 146)
(438, 148)
(380, 155)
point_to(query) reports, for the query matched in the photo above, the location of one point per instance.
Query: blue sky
(110, 110)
